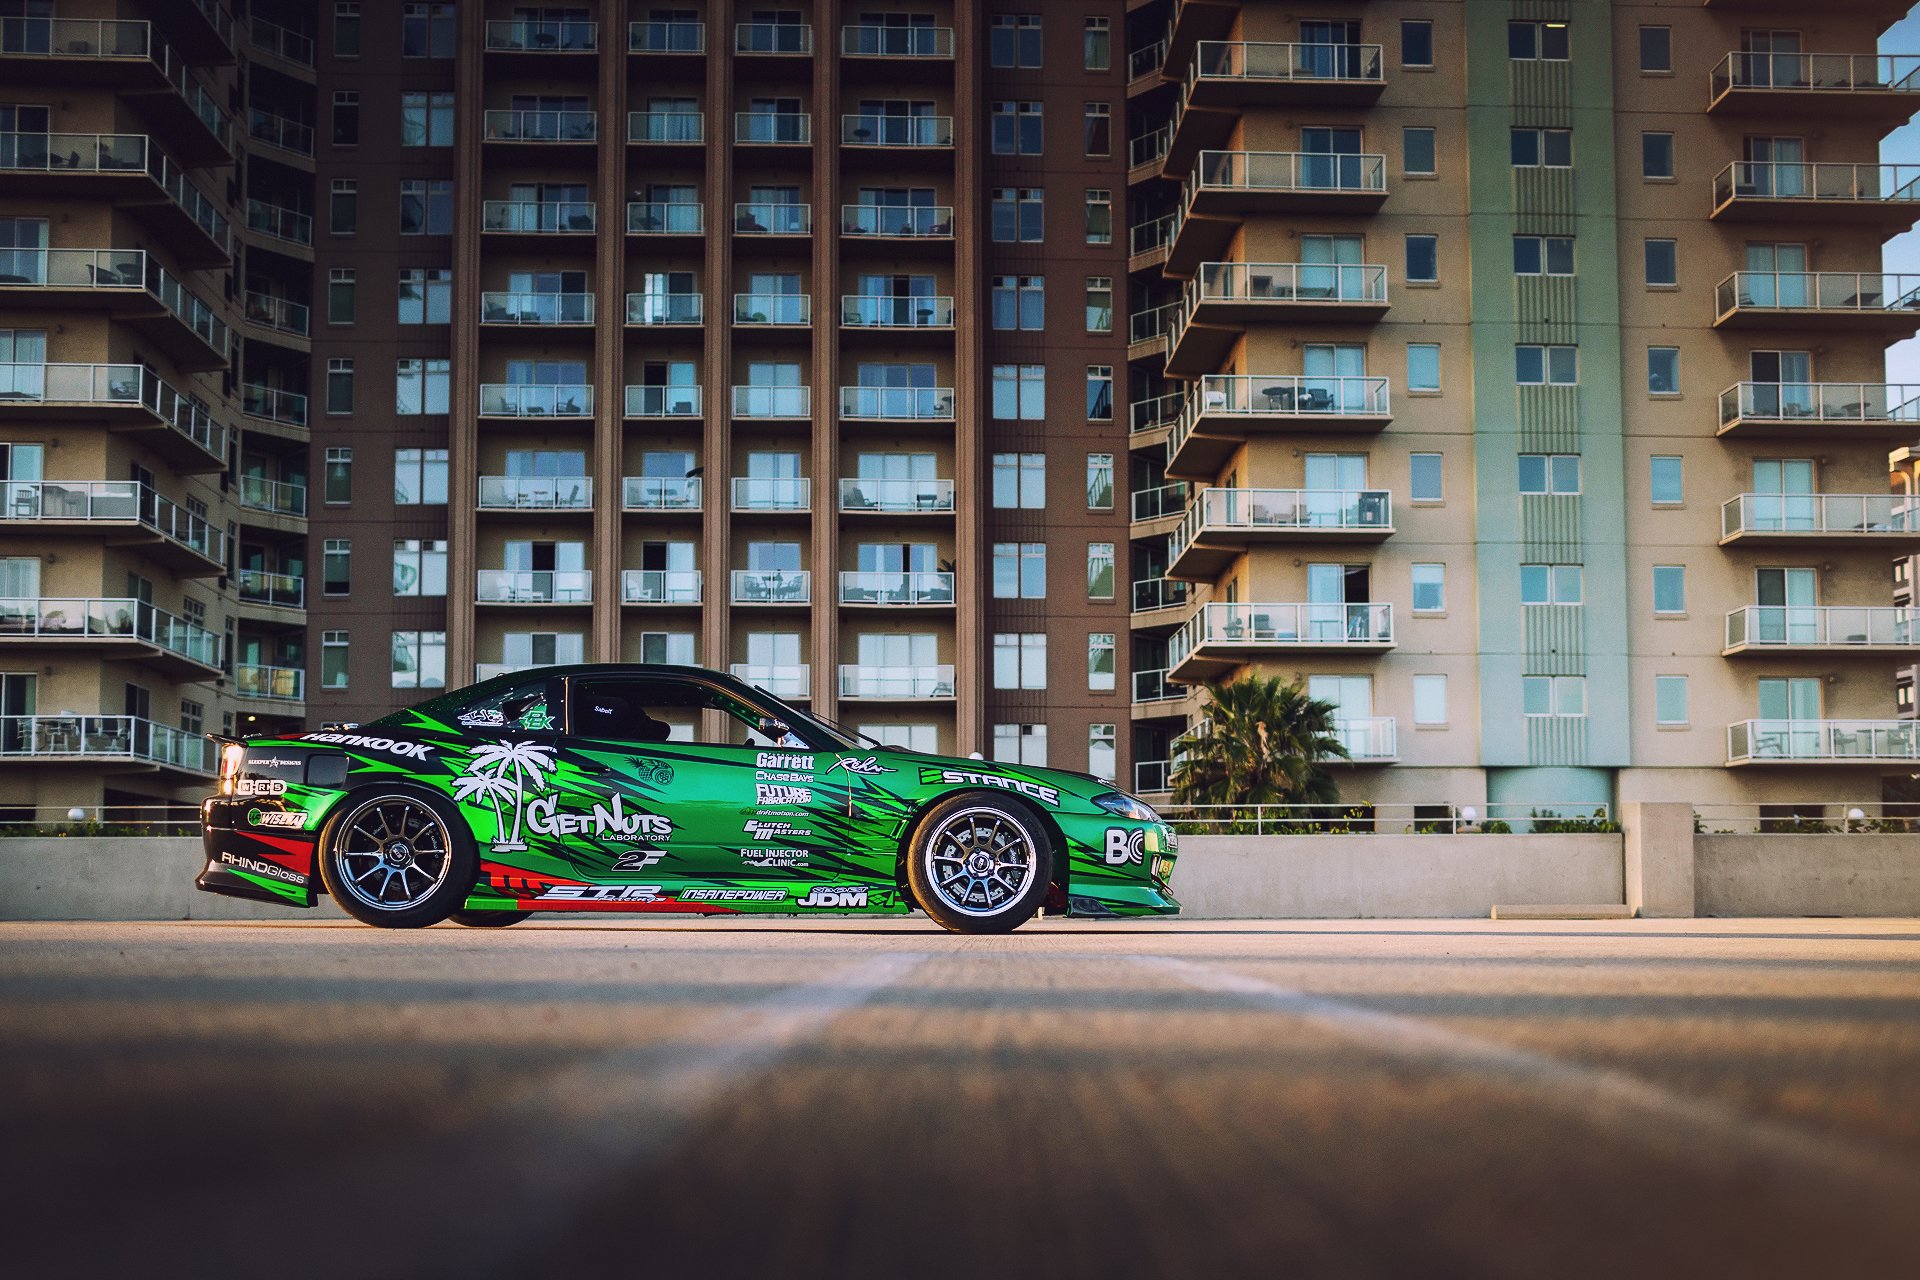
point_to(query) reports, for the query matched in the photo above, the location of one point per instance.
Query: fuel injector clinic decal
(733, 895)
(762, 859)
(393, 746)
(802, 761)
(867, 767)
(258, 867)
(244, 787)
(1124, 846)
(503, 774)
(276, 818)
(766, 793)
(837, 896)
(967, 777)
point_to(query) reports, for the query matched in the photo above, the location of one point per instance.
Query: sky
(1902, 146)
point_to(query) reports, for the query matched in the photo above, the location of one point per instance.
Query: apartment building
(1514, 373)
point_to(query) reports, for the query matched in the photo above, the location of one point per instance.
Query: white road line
(1580, 1088)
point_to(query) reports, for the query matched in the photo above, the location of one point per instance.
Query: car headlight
(1127, 807)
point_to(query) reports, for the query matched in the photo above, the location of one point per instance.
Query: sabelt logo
(393, 746)
(1124, 845)
(967, 777)
(600, 893)
(835, 895)
(259, 867)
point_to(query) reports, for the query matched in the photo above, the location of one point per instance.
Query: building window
(193, 717)
(1103, 751)
(339, 385)
(333, 659)
(346, 30)
(1543, 255)
(1533, 148)
(1663, 371)
(1423, 259)
(1020, 660)
(1553, 695)
(426, 295)
(336, 567)
(419, 477)
(1020, 391)
(340, 295)
(1425, 483)
(1429, 699)
(1099, 304)
(1665, 479)
(1019, 570)
(1099, 482)
(346, 118)
(1663, 262)
(1429, 588)
(1020, 302)
(1656, 49)
(1669, 588)
(1902, 696)
(1556, 366)
(1551, 584)
(1097, 129)
(1099, 215)
(1100, 392)
(1656, 155)
(419, 659)
(1018, 128)
(419, 567)
(1099, 571)
(426, 31)
(1550, 473)
(343, 207)
(1097, 52)
(426, 119)
(1416, 43)
(1670, 700)
(421, 386)
(1020, 744)
(1417, 151)
(1537, 41)
(337, 485)
(1020, 481)
(1100, 650)
(1423, 366)
(1013, 41)
(426, 207)
(1019, 215)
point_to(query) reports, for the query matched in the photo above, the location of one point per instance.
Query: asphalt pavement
(826, 1099)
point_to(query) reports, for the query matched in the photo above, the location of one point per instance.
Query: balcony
(1222, 523)
(1150, 420)
(872, 40)
(665, 218)
(1818, 301)
(897, 222)
(510, 126)
(130, 397)
(111, 740)
(542, 36)
(269, 404)
(544, 219)
(660, 586)
(117, 625)
(128, 56)
(783, 403)
(1882, 195)
(778, 494)
(120, 512)
(534, 586)
(1816, 410)
(1235, 74)
(132, 285)
(1224, 297)
(772, 586)
(1220, 637)
(660, 493)
(773, 310)
(281, 316)
(292, 139)
(1147, 153)
(645, 400)
(544, 494)
(285, 498)
(1147, 330)
(1226, 186)
(1155, 511)
(1152, 777)
(665, 310)
(530, 400)
(666, 128)
(897, 404)
(777, 39)
(270, 684)
(1162, 596)
(889, 589)
(1225, 409)
(502, 308)
(1812, 86)
(764, 218)
(1143, 67)
(286, 226)
(1368, 739)
(894, 313)
(666, 36)
(896, 684)
(290, 47)
(132, 169)
(1830, 519)
(1779, 629)
(794, 683)
(1760, 742)
(896, 497)
(896, 133)
(271, 590)
(1152, 690)
(772, 129)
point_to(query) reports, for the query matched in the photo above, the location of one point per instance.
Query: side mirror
(772, 727)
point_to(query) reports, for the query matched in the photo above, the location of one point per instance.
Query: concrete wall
(1807, 875)
(122, 878)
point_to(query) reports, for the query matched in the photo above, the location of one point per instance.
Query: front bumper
(244, 861)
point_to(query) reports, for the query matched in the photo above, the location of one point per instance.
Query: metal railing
(508, 124)
(858, 681)
(1147, 60)
(1156, 411)
(773, 308)
(892, 311)
(116, 153)
(1151, 322)
(1806, 817)
(1288, 282)
(542, 35)
(666, 36)
(1841, 292)
(73, 268)
(1271, 61)
(280, 497)
(1289, 395)
(1864, 402)
(1820, 513)
(279, 590)
(281, 314)
(1154, 233)
(773, 37)
(1304, 625)
(898, 221)
(887, 587)
(1783, 180)
(772, 402)
(536, 493)
(536, 400)
(887, 403)
(764, 218)
(1161, 500)
(896, 496)
(112, 502)
(666, 217)
(1338, 510)
(644, 400)
(1303, 171)
(534, 586)
(115, 40)
(87, 737)
(284, 43)
(873, 130)
(667, 126)
(1160, 593)
(773, 128)
(123, 384)
(661, 309)
(871, 40)
(1440, 817)
(660, 586)
(1845, 741)
(542, 217)
(1149, 148)
(279, 132)
(274, 684)
(106, 618)
(1153, 686)
(772, 586)
(772, 493)
(273, 405)
(1817, 72)
(188, 308)
(781, 682)
(1837, 626)
(536, 308)
(280, 223)
(660, 493)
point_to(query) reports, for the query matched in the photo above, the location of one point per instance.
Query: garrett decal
(732, 895)
(600, 893)
(783, 760)
(837, 895)
(866, 767)
(764, 793)
(967, 777)
(405, 750)
(1124, 846)
(259, 787)
(276, 818)
(776, 831)
(255, 866)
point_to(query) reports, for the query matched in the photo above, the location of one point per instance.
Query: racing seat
(641, 727)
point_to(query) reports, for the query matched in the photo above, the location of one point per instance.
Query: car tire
(397, 858)
(489, 919)
(979, 864)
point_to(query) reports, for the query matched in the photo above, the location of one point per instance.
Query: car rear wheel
(980, 865)
(398, 860)
(489, 919)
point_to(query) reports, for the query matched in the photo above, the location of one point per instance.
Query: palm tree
(1260, 742)
(471, 788)
(530, 763)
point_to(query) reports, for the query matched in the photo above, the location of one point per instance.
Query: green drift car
(567, 789)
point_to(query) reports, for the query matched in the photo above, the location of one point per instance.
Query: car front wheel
(980, 865)
(398, 860)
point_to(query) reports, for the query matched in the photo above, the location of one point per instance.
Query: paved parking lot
(1349, 1098)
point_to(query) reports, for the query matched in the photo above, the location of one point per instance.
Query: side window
(522, 708)
(662, 709)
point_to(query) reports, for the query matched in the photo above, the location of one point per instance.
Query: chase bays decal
(513, 778)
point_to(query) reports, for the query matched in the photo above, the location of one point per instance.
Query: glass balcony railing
(1816, 741)
(538, 35)
(93, 618)
(666, 36)
(188, 308)
(1161, 501)
(1285, 282)
(861, 311)
(890, 587)
(270, 684)
(1160, 593)
(87, 737)
(279, 497)
(903, 497)
(1758, 626)
(1302, 171)
(534, 586)
(536, 308)
(1156, 412)
(533, 400)
(1151, 322)
(1221, 509)
(1368, 739)
(1823, 514)
(111, 502)
(874, 130)
(1281, 626)
(904, 403)
(1289, 395)
(1154, 233)
(282, 42)
(1267, 61)
(660, 493)
(862, 681)
(120, 41)
(116, 154)
(536, 493)
(279, 132)
(875, 40)
(773, 37)
(1841, 293)
(112, 384)
(1817, 74)
(665, 218)
(773, 128)
(647, 401)
(1153, 686)
(688, 127)
(506, 124)
(664, 309)
(762, 218)
(1864, 403)
(772, 586)
(773, 308)
(772, 493)
(288, 408)
(1147, 60)
(280, 223)
(73, 268)
(1851, 183)
(538, 217)
(898, 221)
(772, 402)
(781, 682)
(280, 314)
(278, 590)
(1149, 148)
(660, 586)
